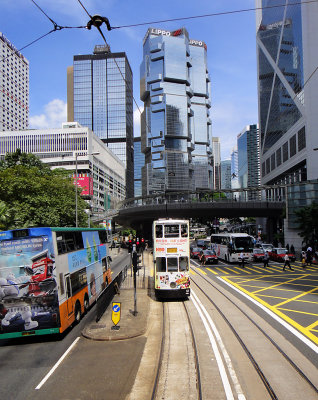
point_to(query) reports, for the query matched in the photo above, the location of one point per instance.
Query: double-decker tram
(229, 246)
(171, 252)
(49, 277)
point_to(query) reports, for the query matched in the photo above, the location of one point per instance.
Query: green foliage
(37, 196)
(307, 220)
(4, 216)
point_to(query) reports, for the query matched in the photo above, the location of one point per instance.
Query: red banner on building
(86, 184)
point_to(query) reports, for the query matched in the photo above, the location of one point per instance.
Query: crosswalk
(249, 269)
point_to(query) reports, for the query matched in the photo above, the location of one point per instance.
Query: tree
(307, 220)
(36, 195)
(4, 215)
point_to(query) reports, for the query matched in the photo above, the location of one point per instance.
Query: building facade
(139, 162)
(175, 123)
(234, 170)
(248, 157)
(216, 151)
(288, 102)
(100, 173)
(102, 100)
(14, 87)
(226, 175)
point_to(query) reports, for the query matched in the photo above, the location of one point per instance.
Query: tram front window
(184, 230)
(159, 231)
(183, 263)
(161, 264)
(171, 231)
(172, 264)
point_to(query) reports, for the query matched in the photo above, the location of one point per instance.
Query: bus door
(69, 300)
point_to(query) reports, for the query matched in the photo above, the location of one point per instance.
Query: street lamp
(76, 177)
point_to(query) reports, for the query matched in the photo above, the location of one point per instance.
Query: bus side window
(161, 264)
(184, 230)
(159, 231)
(172, 264)
(62, 288)
(183, 263)
(102, 236)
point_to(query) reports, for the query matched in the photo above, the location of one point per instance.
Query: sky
(230, 39)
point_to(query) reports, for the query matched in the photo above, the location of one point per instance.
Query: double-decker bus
(49, 277)
(229, 246)
(171, 252)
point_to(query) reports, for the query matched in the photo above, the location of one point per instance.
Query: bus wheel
(86, 304)
(77, 313)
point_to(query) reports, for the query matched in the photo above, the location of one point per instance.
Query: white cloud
(55, 112)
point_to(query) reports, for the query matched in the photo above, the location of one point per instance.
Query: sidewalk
(130, 325)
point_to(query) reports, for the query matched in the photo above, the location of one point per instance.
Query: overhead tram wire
(97, 21)
(243, 10)
(56, 27)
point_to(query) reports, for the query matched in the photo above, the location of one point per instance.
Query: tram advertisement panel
(28, 288)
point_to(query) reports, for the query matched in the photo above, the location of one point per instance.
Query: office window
(292, 146)
(301, 139)
(285, 151)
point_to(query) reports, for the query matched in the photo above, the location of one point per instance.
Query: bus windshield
(243, 244)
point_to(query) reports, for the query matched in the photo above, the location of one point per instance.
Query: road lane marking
(280, 317)
(57, 364)
(296, 297)
(215, 339)
(201, 270)
(211, 270)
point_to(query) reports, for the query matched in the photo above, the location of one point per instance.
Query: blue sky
(230, 43)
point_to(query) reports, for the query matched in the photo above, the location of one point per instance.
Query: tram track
(164, 380)
(266, 382)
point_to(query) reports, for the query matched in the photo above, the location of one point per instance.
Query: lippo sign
(178, 32)
(86, 184)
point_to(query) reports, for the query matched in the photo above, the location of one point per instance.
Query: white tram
(171, 252)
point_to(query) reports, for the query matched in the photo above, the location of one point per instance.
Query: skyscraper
(139, 162)
(248, 157)
(14, 87)
(103, 101)
(216, 151)
(175, 124)
(287, 91)
(288, 102)
(226, 174)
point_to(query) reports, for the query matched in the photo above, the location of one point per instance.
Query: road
(107, 370)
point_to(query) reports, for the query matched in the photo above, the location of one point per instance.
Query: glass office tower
(139, 162)
(287, 90)
(248, 157)
(175, 124)
(288, 102)
(103, 101)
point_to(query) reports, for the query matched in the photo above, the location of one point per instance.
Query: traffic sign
(116, 309)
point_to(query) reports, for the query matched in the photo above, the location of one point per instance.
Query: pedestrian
(286, 262)
(292, 249)
(266, 259)
(308, 257)
(242, 259)
(303, 259)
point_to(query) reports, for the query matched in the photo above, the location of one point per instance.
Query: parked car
(194, 252)
(278, 254)
(208, 257)
(258, 254)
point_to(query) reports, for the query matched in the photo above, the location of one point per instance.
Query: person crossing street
(266, 259)
(287, 262)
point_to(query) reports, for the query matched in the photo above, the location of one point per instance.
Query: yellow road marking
(280, 284)
(211, 270)
(192, 272)
(233, 270)
(201, 270)
(303, 330)
(296, 297)
(312, 326)
(297, 311)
